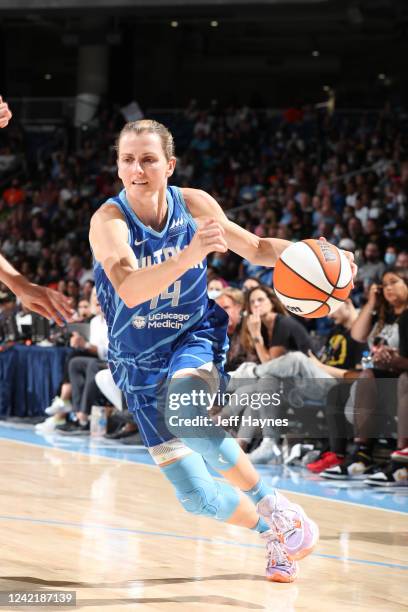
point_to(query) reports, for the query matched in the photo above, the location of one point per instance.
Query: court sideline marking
(168, 534)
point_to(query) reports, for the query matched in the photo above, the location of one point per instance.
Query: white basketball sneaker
(297, 533)
(278, 567)
(49, 424)
(58, 405)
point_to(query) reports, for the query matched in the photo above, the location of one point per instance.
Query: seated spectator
(87, 289)
(82, 371)
(395, 472)
(73, 291)
(61, 404)
(341, 355)
(303, 378)
(232, 301)
(250, 282)
(124, 428)
(390, 255)
(83, 312)
(371, 270)
(268, 331)
(215, 286)
(402, 260)
(383, 323)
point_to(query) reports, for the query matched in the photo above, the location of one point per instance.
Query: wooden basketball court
(112, 531)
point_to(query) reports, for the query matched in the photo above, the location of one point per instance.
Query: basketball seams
(324, 296)
(305, 280)
(308, 316)
(307, 299)
(321, 265)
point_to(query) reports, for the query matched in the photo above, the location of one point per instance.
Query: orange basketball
(312, 278)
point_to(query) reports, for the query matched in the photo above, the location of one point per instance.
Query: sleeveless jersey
(152, 331)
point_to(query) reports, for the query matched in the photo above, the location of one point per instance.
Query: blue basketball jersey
(143, 339)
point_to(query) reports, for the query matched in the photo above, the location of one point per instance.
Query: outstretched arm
(46, 302)
(259, 251)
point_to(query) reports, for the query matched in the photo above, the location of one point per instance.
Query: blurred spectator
(83, 312)
(250, 283)
(383, 323)
(232, 301)
(14, 194)
(215, 286)
(268, 331)
(402, 260)
(372, 269)
(82, 371)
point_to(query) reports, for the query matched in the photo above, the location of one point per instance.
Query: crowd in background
(292, 175)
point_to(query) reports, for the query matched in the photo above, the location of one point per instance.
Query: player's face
(259, 303)
(142, 164)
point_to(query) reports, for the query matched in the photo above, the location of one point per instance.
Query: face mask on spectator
(214, 293)
(390, 259)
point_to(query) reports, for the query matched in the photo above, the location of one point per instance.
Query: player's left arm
(259, 251)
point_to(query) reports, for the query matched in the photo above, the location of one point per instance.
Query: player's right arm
(109, 241)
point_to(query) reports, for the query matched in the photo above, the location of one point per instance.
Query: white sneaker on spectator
(49, 424)
(267, 452)
(58, 405)
(297, 452)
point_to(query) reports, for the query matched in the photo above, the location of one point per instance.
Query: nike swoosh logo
(137, 242)
(221, 459)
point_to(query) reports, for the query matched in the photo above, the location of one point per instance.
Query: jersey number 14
(167, 294)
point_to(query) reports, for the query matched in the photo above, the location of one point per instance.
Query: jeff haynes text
(231, 421)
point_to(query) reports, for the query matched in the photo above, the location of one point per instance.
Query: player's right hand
(208, 238)
(5, 113)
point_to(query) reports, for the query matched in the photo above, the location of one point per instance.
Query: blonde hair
(152, 127)
(236, 295)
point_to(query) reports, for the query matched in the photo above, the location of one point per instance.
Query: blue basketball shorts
(145, 383)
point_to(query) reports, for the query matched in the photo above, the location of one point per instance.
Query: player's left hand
(350, 257)
(5, 113)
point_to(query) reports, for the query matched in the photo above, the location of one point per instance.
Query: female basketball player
(168, 340)
(44, 301)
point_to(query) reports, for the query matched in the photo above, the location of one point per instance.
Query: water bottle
(99, 421)
(367, 361)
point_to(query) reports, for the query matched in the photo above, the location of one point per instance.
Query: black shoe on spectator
(392, 475)
(122, 432)
(355, 467)
(74, 428)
